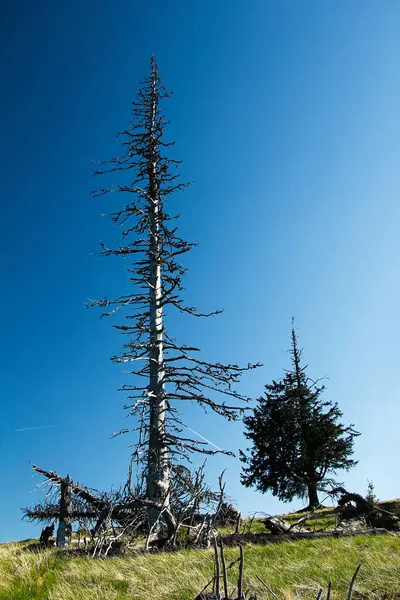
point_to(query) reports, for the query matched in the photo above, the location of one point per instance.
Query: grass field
(294, 570)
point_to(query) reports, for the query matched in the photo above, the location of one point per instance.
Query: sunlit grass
(292, 569)
(322, 519)
(27, 575)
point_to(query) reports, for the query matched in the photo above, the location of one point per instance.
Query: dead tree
(64, 532)
(97, 511)
(353, 507)
(112, 516)
(166, 371)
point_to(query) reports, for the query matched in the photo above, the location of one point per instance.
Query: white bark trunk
(158, 470)
(158, 477)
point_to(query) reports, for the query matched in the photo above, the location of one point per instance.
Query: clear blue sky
(287, 117)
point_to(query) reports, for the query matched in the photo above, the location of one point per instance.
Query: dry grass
(294, 570)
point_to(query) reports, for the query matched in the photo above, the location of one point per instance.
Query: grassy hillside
(293, 570)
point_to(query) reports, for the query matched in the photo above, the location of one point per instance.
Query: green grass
(324, 518)
(294, 570)
(391, 505)
(321, 519)
(27, 576)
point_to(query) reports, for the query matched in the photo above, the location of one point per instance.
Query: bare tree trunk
(64, 532)
(312, 494)
(158, 477)
(153, 244)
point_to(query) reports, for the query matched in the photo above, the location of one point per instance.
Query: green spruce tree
(298, 441)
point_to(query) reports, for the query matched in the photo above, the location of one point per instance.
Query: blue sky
(286, 115)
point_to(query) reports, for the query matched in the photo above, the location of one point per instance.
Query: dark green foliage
(298, 441)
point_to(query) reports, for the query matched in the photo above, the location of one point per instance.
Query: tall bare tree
(166, 371)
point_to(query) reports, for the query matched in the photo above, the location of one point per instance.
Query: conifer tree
(165, 371)
(298, 442)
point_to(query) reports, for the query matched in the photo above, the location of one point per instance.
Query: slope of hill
(293, 570)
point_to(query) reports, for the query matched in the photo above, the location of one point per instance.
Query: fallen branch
(352, 583)
(267, 538)
(308, 515)
(267, 587)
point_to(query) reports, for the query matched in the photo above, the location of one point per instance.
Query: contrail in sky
(31, 428)
(190, 429)
(203, 438)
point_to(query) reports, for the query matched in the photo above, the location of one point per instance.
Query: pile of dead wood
(113, 518)
(354, 515)
(354, 507)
